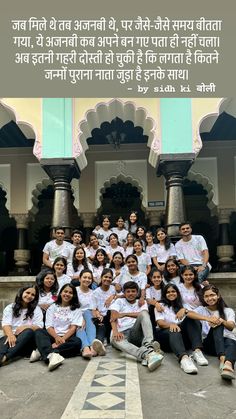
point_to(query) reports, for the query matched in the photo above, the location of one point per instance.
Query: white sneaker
(98, 347)
(154, 360)
(35, 356)
(188, 366)
(54, 361)
(199, 358)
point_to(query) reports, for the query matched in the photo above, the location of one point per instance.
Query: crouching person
(59, 340)
(132, 328)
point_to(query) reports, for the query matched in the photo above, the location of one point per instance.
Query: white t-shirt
(122, 234)
(91, 252)
(99, 297)
(97, 272)
(102, 236)
(47, 298)
(123, 306)
(71, 272)
(140, 279)
(53, 250)
(110, 250)
(62, 280)
(168, 315)
(189, 297)
(229, 316)
(8, 319)
(61, 318)
(191, 250)
(162, 254)
(175, 280)
(129, 251)
(153, 294)
(143, 261)
(151, 250)
(85, 299)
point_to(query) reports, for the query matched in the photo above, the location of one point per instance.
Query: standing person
(79, 262)
(129, 245)
(132, 328)
(48, 289)
(120, 230)
(175, 334)
(144, 260)
(164, 249)
(60, 268)
(20, 321)
(55, 248)
(218, 322)
(103, 232)
(192, 250)
(151, 247)
(87, 333)
(171, 271)
(132, 223)
(101, 301)
(58, 340)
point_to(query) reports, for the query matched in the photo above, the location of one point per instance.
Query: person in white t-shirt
(192, 250)
(171, 271)
(176, 331)
(144, 260)
(132, 328)
(154, 293)
(120, 230)
(189, 287)
(218, 322)
(164, 248)
(114, 246)
(55, 248)
(60, 268)
(103, 232)
(77, 240)
(101, 300)
(79, 262)
(20, 321)
(58, 340)
(48, 289)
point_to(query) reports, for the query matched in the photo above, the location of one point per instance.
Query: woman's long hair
(167, 241)
(195, 282)
(17, 307)
(75, 262)
(221, 305)
(96, 262)
(112, 265)
(177, 304)
(74, 303)
(166, 273)
(63, 260)
(40, 284)
(162, 286)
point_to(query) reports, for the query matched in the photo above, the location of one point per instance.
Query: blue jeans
(203, 274)
(88, 333)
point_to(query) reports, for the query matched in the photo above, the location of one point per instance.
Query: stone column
(88, 223)
(21, 254)
(225, 250)
(62, 171)
(155, 218)
(174, 171)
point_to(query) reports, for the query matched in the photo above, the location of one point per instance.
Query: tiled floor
(109, 388)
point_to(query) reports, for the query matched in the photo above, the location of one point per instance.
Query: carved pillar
(174, 171)
(21, 254)
(62, 171)
(155, 218)
(88, 223)
(225, 250)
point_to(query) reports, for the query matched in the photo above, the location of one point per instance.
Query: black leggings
(25, 344)
(103, 329)
(178, 342)
(44, 343)
(216, 344)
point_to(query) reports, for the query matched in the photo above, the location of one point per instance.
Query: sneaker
(157, 348)
(199, 358)
(54, 361)
(188, 366)
(154, 360)
(98, 347)
(35, 356)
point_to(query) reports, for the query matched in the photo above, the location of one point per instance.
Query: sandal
(227, 373)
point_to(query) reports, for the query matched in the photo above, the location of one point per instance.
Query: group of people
(128, 287)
